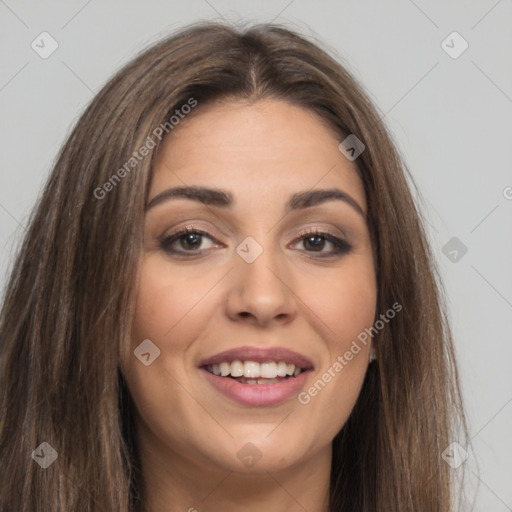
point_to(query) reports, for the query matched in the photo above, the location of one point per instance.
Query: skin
(189, 434)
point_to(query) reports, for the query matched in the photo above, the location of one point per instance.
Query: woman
(226, 300)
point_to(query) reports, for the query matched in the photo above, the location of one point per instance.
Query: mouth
(257, 376)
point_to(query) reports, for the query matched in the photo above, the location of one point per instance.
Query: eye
(315, 241)
(188, 242)
(190, 239)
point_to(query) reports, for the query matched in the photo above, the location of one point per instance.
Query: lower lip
(258, 394)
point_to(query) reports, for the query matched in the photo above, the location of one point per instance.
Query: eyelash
(341, 246)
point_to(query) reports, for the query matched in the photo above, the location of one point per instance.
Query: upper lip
(259, 355)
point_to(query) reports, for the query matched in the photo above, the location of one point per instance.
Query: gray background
(451, 118)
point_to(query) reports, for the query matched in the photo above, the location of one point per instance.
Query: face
(271, 278)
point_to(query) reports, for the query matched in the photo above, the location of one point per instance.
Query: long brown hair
(68, 306)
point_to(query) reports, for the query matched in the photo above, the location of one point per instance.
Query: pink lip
(259, 355)
(257, 394)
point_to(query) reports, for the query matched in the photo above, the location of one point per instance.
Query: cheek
(169, 312)
(346, 304)
(168, 304)
(356, 298)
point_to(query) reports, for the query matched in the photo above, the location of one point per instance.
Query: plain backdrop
(449, 112)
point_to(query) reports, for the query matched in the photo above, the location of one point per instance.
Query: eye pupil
(191, 239)
(318, 244)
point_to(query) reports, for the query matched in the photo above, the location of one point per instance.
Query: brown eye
(315, 241)
(188, 240)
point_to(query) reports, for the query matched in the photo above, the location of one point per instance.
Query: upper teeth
(252, 369)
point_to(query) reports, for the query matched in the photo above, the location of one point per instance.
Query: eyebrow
(224, 199)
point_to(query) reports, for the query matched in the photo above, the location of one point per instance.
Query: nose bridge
(260, 283)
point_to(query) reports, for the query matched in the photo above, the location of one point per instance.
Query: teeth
(252, 370)
(281, 369)
(268, 381)
(237, 369)
(269, 370)
(225, 369)
(252, 382)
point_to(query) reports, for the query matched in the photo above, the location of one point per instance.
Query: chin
(260, 450)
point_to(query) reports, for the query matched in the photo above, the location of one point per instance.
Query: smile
(257, 377)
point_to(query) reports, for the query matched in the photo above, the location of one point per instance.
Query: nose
(261, 292)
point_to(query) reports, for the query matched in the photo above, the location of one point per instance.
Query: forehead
(269, 147)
